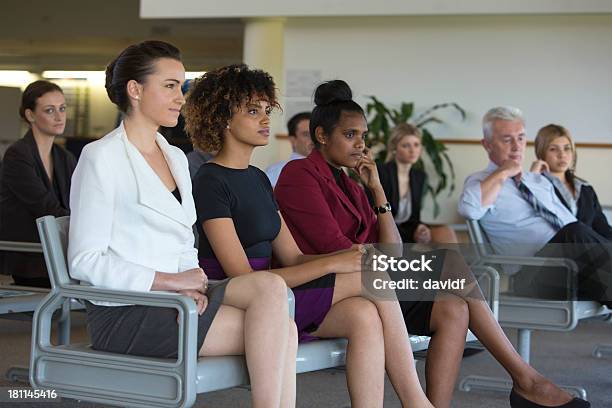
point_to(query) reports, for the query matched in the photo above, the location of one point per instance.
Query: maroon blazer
(320, 216)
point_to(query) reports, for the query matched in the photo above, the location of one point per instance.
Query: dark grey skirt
(146, 330)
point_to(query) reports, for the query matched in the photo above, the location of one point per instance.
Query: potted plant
(383, 118)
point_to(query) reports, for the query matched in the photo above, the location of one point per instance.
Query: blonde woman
(404, 185)
(556, 154)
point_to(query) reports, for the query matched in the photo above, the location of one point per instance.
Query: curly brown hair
(214, 97)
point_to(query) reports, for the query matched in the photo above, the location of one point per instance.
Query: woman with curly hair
(241, 230)
(131, 229)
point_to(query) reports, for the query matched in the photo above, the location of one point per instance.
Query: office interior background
(551, 58)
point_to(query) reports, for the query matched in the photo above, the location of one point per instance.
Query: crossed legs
(452, 315)
(378, 340)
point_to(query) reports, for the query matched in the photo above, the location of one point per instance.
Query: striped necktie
(540, 210)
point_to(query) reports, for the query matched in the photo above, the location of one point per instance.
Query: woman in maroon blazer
(326, 211)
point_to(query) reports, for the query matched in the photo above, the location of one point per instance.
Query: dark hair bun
(136, 62)
(332, 92)
(111, 91)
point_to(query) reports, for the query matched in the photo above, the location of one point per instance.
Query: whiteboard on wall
(557, 69)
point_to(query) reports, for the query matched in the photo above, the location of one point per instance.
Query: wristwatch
(386, 207)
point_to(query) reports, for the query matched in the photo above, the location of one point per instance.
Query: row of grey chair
(18, 302)
(528, 314)
(79, 372)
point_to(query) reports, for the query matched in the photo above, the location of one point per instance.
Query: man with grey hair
(520, 212)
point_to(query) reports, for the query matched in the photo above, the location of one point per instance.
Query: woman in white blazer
(131, 229)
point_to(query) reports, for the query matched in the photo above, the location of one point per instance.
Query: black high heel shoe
(518, 401)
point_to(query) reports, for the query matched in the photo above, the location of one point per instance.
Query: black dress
(245, 196)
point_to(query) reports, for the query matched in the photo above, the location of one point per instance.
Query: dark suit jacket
(589, 211)
(320, 216)
(389, 181)
(26, 194)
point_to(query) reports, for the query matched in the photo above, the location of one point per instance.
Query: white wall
(556, 68)
(102, 112)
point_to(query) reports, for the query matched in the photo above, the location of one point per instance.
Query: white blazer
(125, 225)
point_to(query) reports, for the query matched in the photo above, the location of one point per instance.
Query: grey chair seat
(321, 354)
(528, 313)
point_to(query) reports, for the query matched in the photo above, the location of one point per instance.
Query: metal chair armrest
(14, 246)
(569, 264)
(291, 301)
(493, 288)
(530, 261)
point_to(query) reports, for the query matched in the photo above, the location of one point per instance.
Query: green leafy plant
(383, 118)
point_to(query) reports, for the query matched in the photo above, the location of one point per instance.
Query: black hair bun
(108, 83)
(331, 92)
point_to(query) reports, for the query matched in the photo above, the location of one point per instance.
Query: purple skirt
(312, 299)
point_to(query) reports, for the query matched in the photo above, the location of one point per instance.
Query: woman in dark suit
(556, 153)
(35, 180)
(404, 185)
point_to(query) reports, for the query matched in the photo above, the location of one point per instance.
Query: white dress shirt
(567, 195)
(125, 224)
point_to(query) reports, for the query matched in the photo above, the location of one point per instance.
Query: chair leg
(63, 324)
(603, 351)
(22, 374)
(18, 374)
(478, 382)
(524, 344)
